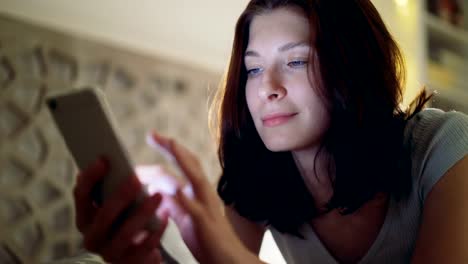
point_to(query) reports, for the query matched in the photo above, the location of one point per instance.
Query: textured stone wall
(36, 172)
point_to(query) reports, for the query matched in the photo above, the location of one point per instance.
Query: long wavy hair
(361, 77)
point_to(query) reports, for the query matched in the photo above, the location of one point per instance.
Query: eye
(297, 63)
(253, 72)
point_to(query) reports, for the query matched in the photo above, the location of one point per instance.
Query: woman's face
(287, 112)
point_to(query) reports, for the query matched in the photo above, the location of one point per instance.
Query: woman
(314, 146)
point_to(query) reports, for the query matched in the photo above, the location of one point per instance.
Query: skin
(278, 82)
(444, 230)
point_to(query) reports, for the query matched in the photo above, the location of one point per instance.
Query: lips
(277, 119)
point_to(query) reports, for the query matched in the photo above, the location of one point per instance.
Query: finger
(154, 257)
(199, 185)
(164, 220)
(113, 206)
(93, 173)
(192, 207)
(143, 251)
(157, 179)
(189, 164)
(122, 240)
(163, 208)
(171, 207)
(82, 192)
(85, 213)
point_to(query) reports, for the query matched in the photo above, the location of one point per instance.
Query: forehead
(286, 23)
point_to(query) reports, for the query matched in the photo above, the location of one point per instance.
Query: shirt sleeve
(440, 140)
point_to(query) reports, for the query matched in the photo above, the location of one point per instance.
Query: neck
(313, 166)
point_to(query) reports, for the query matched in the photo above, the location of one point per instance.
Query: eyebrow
(285, 47)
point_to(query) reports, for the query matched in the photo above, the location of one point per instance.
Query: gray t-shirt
(437, 140)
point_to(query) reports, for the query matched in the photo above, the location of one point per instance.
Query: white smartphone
(89, 130)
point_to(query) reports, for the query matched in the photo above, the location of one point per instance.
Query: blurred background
(158, 62)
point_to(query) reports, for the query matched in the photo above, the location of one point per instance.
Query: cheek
(319, 117)
(250, 99)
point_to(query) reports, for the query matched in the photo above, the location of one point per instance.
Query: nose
(272, 87)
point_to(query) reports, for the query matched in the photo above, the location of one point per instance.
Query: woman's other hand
(198, 211)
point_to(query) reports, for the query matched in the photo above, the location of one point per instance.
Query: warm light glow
(401, 3)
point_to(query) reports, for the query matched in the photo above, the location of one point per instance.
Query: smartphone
(84, 119)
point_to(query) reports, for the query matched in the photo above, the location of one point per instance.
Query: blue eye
(254, 71)
(297, 63)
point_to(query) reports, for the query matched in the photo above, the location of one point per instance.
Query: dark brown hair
(361, 77)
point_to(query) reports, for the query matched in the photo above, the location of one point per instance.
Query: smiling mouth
(277, 120)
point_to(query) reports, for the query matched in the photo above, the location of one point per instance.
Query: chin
(289, 144)
(278, 146)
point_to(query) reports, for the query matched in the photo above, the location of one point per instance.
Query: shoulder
(443, 228)
(429, 122)
(436, 141)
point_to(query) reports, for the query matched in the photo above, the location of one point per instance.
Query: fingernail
(157, 136)
(158, 146)
(139, 237)
(158, 139)
(152, 140)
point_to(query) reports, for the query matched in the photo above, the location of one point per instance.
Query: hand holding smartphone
(84, 119)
